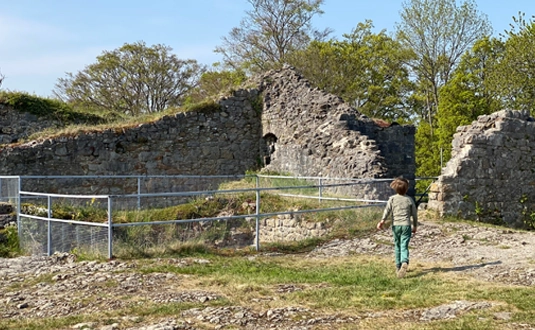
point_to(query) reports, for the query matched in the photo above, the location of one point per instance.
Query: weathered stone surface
(317, 134)
(279, 117)
(490, 174)
(16, 125)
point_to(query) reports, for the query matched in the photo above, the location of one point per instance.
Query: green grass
(353, 286)
(48, 108)
(9, 247)
(357, 284)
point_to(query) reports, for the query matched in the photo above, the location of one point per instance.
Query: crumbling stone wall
(317, 134)
(279, 121)
(491, 176)
(16, 125)
(222, 142)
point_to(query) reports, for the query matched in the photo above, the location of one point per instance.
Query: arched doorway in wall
(269, 147)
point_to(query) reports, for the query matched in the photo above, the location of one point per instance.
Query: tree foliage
(461, 100)
(214, 82)
(365, 69)
(438, 32)
(467, 95)
(269, 32)
(514, 74)
(132, 79)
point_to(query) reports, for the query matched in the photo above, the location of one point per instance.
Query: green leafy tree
(513, 77)
(427, 159)
(438, 32)
(365, 69)
(133, 79)
(467, 96)
(214, 82)
(269, 32)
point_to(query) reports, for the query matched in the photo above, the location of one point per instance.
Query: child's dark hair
(400, 185)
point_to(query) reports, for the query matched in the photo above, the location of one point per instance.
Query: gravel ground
(41, 287)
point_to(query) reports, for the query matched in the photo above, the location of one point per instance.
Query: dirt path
(489, 253)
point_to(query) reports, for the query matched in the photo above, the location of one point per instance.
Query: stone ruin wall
(314, 134)
(317, 134)
(491, 175)
(16, 125)
(192, 143)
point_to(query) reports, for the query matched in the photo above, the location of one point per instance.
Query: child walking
(400, 208)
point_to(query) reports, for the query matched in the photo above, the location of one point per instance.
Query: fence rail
(45, 233)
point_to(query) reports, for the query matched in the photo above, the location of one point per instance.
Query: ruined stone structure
(279, 120)
(490, 176)
(16, 125)
(317, 134)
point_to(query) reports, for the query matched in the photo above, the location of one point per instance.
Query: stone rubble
(42, 287)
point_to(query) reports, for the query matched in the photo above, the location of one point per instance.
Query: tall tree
(467, 95)
(438, 32)
(132, 79)
(514, 75)
(269, 32)
(365, 69)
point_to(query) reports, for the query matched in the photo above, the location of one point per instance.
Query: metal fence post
(320, 190)
(110, 229)
(19, 230)
(49, 228)
(138, 192)
(257, 243)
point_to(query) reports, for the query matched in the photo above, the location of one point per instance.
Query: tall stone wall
(193, 143)
(491, 176)
(314, 133)
(279, 121)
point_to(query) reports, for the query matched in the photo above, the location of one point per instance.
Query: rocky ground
(39, 287)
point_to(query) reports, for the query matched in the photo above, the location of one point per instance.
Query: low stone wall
(281, 229)
(491, 176)
(285, 228)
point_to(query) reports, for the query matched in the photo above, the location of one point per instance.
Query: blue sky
(41, 40)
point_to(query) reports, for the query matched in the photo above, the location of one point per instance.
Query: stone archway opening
(269, 147)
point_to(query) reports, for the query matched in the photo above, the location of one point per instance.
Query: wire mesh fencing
(51, 223)
(44, 237)
(9, 190)
(233, 212)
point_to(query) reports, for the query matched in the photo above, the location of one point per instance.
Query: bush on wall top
(44, 107)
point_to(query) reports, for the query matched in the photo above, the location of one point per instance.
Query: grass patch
(9, 242)
(346, 285)
(354, 286)
(49, 108)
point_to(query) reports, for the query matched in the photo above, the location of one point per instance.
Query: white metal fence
(42, 231)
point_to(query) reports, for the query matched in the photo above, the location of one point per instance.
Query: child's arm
(380, 225)
(386, 214)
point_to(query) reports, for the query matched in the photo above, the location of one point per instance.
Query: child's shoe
(403, 270)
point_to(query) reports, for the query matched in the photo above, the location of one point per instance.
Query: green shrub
(206, 107)
(9, 242)
(50, 108)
